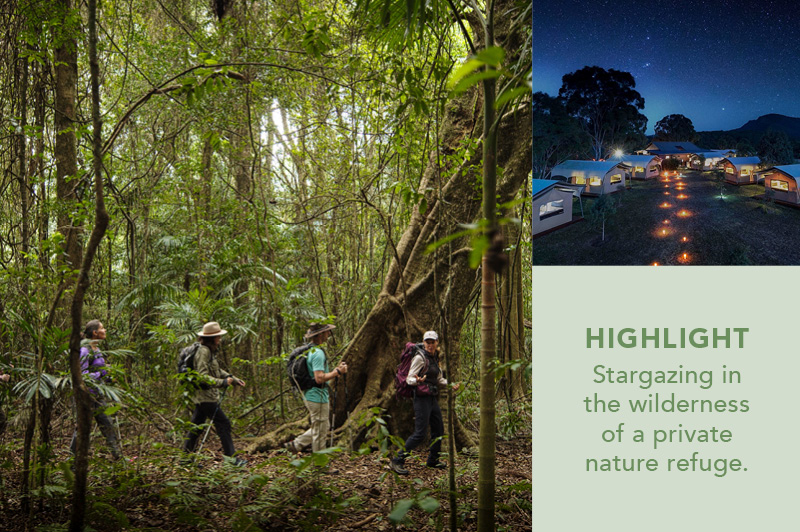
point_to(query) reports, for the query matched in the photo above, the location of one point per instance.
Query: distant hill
(775, 122)
(751, 133)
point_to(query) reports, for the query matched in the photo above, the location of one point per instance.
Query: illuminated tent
(642, 166)
(552, 205)
(781, 182)
(599, 177)
(740, 170)
(712, 158)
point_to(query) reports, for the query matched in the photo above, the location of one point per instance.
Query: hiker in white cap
(316, 398)
(207, 397)
(426, 376)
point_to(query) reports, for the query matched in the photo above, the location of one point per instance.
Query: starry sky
(718, 62)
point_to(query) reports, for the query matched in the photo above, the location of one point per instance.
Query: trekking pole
(208, 429)
(333, 415)
(347, 417)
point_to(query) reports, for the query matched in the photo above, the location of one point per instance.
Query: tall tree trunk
(486, 449)
(82, 399)
(66, 73)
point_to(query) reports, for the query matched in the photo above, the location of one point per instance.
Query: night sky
(720, 63)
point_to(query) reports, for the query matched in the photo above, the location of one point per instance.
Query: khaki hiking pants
(317, 434)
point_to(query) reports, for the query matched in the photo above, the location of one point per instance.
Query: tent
(642, 166)
(599, 177)
(552, 205)
(672, 150)
(712, 158)
(781, 182)
(740, 170)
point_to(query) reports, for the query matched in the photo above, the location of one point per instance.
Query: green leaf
(464, 70)
(491, 56)
(111, 410)
(508, 95)
(400, 511)
(429, 504)
(479, 247)
(474, 79)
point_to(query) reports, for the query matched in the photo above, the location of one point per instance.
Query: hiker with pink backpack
(421, 378)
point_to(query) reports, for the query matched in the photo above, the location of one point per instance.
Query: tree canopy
(607, 105)
(676, 128)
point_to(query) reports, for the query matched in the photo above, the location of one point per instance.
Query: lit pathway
(673, 224)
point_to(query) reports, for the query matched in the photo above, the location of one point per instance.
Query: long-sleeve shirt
(417, 365)
(207, 365)
(94, 364)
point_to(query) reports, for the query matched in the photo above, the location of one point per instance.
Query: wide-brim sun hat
(212, 328)
(318, 328)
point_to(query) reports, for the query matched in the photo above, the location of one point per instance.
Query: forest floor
(155, 490)
(738, 228)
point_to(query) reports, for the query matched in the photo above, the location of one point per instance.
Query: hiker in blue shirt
(316, 398)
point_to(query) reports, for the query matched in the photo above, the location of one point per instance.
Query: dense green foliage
(259, 170)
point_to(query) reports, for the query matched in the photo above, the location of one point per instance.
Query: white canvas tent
(740, 170)
(783, 183)
(599, 177)
(642, 166)
(552, 205)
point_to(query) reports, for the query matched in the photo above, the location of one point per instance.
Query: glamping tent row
(552, 198)
(598, 177)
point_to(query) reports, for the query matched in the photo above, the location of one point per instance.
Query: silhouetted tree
(607, 105)
(556, 135)
(775, 148)
(675, 128)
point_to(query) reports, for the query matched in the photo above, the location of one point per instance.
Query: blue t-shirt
(317, 362)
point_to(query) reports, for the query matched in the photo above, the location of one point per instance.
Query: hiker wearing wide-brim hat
(316, 398)
(206, 399)
(317, 328)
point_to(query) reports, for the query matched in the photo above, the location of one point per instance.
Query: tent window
(729, 169)
(639, 169)
(595, 182)
(745, 171)
(616, 178)
(777, 184)
(552, 208)
(580, 180)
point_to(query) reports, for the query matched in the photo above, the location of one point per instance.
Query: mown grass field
(737, 230)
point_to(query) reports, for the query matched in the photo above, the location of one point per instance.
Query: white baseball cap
(430, 335)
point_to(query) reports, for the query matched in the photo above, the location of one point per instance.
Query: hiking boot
(437, 465)
(291, 447)
(241, 462)
(398, 468)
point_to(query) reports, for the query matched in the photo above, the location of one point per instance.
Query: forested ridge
(263, 165)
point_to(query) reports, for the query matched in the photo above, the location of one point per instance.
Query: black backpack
(186, 363)
(186, 357)
(297, 369)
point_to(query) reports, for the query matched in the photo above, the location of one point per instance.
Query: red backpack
(402, 389)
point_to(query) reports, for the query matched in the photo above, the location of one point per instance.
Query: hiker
(93, 364)
(207, 399)
(426, 376)
(316, 398)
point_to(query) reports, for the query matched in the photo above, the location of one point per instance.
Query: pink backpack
(402, 388)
